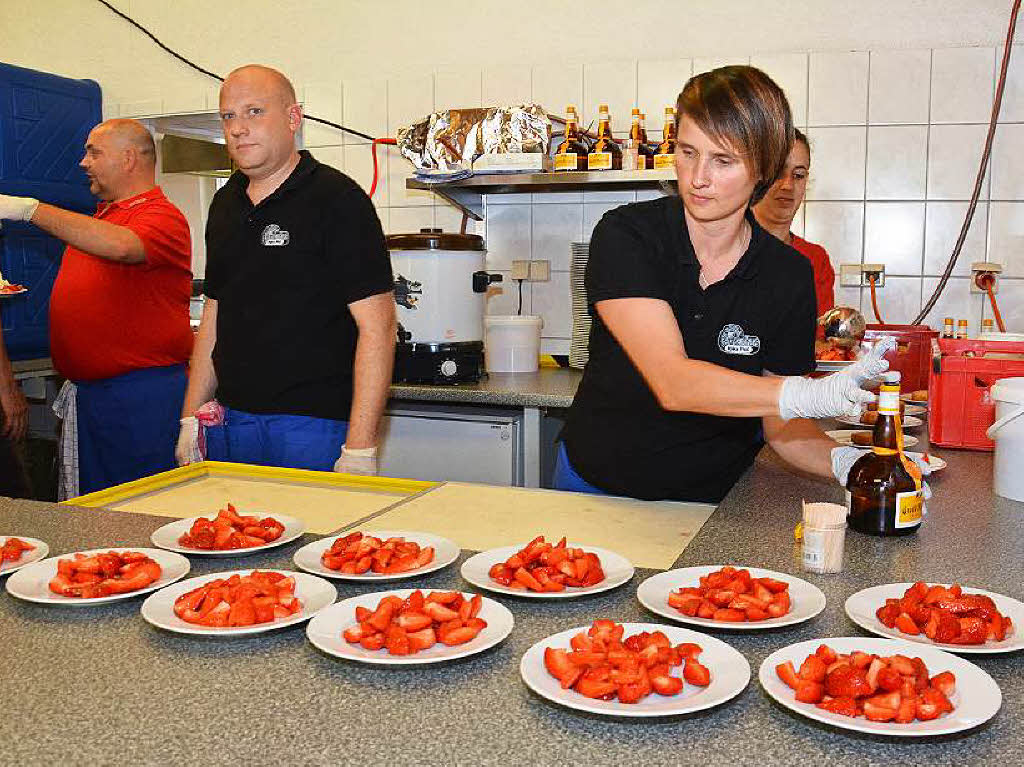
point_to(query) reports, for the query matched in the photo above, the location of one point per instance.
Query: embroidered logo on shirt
(732, 340)
(273, 235)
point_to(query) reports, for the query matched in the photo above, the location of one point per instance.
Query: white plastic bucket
(512, 343)
(1008, 433)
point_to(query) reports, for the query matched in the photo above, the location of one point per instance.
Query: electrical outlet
(540, 271)
(979, 268)
(520, 270)
(856, 275)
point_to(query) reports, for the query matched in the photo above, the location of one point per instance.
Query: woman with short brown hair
(703, 322)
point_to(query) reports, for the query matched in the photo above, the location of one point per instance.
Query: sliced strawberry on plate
(696, 673)
(788, 674)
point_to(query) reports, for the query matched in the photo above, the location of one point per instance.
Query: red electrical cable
(995, 308)
(373, 149)
(874, 300)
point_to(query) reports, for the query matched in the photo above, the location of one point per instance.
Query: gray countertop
(548, 387)
(99, 684)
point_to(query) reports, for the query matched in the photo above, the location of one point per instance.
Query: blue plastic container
(44, 122)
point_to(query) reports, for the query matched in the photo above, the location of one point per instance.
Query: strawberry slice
(696, 673)
(808, 691)
(843, 705)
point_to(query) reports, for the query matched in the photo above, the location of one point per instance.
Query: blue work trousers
(291, 441)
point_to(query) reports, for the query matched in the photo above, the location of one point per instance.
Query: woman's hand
(837, 394)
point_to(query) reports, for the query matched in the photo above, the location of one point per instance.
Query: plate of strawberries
(543, 569)
(634, 669)
(16, 552)
(228, 533)
(949, 616)
(730, 597)
(377, 555)
(880, 686)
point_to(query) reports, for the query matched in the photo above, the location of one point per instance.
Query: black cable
(519, 311)
(986, 153)
(215, 76)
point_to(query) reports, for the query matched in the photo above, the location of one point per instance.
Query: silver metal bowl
(844, 326)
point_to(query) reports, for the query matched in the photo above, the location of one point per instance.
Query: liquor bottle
(988, 325)
(885, 495)
(606, 154)
(961, 329)
(947, 328)
(637, 154)
(646, 150)
(664, 155)
(572, 152)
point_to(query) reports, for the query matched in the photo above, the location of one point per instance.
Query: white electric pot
(440, 286)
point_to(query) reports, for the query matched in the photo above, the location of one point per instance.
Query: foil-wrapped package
(451, 140)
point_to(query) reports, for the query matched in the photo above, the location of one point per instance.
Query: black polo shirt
(760, 317)
(283, 273)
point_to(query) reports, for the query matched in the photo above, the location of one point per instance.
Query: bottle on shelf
(571, 154)
(606, 154)
(961, 328)
(664, 154)
(988, 325)
(947, 328)
(885, 489)
(637, 153)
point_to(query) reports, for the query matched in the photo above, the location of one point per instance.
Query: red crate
(912, 355)
(960, 403)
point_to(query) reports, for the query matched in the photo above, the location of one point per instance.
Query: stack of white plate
(578, 353)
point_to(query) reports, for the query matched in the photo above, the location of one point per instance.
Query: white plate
(842, 436)
(32, 583)
(325, 632)
(861, 607)
(831, 366)
(934, 462)
(805, 599)
(9, 293)
(314, 593)
(730, 673)
(476, 570)
(976, 700)
(921, 402)
(27, 557)
(445, 552)
(166, 537)
(909, 409)
(909, 422)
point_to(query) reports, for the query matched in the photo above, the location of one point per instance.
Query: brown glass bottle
(885, 495)
(605, 154)
(572, 153)
(637, 143)
(664, 154)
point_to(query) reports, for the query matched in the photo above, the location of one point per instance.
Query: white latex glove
(871, 365)
(187, 450)
(845, 456)
(17, 208)
(834, 395)
(357, 460)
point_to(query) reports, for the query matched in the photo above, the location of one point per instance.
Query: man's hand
(17, 208)
(15, 411)
(362, 461)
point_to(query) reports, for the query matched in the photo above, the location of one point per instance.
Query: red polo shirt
(824, 276)
(108, 318)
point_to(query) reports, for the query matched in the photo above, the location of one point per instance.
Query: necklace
(705, 281)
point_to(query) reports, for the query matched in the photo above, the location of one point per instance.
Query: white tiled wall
(896, 138)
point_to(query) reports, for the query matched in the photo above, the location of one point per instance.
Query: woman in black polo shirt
(703, 322)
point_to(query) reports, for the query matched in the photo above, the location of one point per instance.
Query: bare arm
(96, 237)
(801, 444)
(13, 406)
(374, 359)
(202, 380)
(647, 329)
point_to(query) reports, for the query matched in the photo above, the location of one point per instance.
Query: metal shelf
(467, 194)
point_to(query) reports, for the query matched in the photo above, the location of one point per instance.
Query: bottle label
(664, 161)
(814, 548)
(889, 400)
(909, 508)
(599, 161)
(567, 161)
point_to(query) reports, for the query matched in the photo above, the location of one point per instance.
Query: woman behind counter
(704, 322)
(776, 210)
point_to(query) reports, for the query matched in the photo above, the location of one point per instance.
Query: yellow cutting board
(323, 509)
(325, 501)
(651, 534)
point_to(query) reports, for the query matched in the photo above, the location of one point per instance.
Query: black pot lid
(435, 239)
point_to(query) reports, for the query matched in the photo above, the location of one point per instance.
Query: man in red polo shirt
(119, 324)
